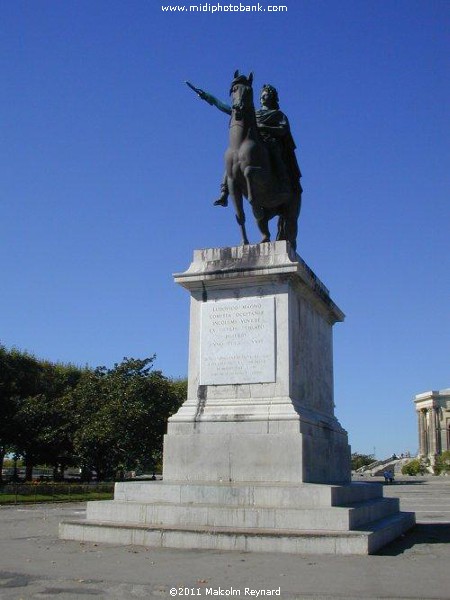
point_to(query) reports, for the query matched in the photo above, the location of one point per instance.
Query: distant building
(433, 412)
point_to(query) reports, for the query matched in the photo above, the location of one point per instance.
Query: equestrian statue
(260, 161)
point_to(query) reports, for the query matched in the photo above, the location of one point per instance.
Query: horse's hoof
(265, 239)
(245, 242)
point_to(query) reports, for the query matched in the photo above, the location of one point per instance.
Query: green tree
(19, 378)
(102, 419)
(179, 386)
(42, 424)
(361, 460)
(122, 414)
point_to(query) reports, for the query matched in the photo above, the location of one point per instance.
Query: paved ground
(34, 563)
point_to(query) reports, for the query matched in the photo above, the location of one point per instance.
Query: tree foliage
(442, 463)
(415, 467)
(101, 419)
(19, 378)
(122, 414)
(42, 423)
(361, 460)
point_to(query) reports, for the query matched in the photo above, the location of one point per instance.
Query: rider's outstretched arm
(215, 102)
(210, 99)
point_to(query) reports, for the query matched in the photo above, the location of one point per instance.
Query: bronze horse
(250, 173)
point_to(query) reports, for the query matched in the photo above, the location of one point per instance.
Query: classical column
(438, 430)
(423, 432)
(420, 431)
(432, 431)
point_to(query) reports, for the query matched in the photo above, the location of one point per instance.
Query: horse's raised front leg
(236, 197)
(259, 212)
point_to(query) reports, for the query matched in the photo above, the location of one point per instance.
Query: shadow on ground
(393, 484)
(402, 482)
(425, 533)
(15, 580)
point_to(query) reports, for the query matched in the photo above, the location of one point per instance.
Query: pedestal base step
(335, 518)
(267, 494)
(360, 541)
(272, 517)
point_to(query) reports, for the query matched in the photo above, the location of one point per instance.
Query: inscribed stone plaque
(238, 341)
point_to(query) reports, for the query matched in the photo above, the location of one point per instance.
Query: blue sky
(110, 165)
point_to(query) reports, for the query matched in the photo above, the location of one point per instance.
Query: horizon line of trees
(99, 419)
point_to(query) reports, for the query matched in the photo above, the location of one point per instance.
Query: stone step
(386, 530)
(251, 494)
(319, 518)
(363, 541)
(355, 492)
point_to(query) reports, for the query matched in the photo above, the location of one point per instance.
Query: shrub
(442, 463)
(414, 467)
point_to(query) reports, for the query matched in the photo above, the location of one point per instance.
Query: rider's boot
(223, 200)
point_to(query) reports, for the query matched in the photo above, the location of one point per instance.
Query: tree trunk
(62, 468)
(99, 473)
(86, 474)
(28, 469)
(2, 458)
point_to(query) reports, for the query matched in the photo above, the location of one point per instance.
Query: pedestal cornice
(258, 264)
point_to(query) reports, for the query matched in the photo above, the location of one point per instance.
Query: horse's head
(241, 93)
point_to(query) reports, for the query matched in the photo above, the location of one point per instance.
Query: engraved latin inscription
(238, 341)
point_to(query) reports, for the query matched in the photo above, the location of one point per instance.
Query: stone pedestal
(254, 459)
(260, 397)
